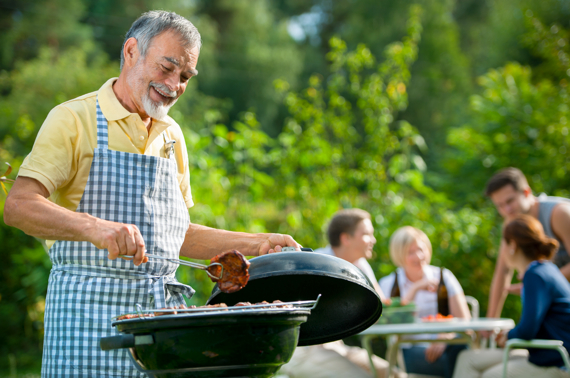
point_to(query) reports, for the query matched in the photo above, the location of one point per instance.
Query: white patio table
(462, 327)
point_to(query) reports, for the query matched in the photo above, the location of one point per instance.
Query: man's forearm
(497, 293)
(203, 242)
(37, 216)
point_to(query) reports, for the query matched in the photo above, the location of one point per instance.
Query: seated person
(351, 237)
(415, 280)
(545, 313)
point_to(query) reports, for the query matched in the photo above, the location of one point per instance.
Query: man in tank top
(508, 189)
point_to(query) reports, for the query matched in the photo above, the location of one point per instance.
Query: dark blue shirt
(546, 311)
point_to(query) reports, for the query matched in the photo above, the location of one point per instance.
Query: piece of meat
(235, 274)
(240, 304)
(166, 313)
(134, 316)
(221, 306)
(282, 304)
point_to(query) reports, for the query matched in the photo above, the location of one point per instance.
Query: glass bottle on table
(395, 293)
(442, 296)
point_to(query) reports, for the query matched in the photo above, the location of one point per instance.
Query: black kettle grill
(255, 341)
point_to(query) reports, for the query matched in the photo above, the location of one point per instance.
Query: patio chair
(537, 343)
(474, 304)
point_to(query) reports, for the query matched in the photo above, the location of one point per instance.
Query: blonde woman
(416, 280)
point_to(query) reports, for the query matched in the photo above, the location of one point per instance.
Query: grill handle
(117, 342)
(125, 341)
(293, 249)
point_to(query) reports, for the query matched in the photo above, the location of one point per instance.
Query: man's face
(510, 202)
(159, 78)
(363, 240)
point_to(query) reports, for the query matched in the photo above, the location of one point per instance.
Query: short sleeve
(386, 283)
(365, 267)
(453, 286)
(52, 159)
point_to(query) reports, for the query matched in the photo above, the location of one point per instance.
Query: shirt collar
(114, 111)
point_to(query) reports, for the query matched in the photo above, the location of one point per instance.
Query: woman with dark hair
(545, 314)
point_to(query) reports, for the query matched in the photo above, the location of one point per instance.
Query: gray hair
(151, 24)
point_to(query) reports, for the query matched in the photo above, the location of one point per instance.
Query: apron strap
(102, 130)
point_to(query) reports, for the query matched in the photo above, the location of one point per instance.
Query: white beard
(156, 110)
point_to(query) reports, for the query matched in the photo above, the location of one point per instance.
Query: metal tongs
(184, 262)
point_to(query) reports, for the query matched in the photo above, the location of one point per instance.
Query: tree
(27, 26)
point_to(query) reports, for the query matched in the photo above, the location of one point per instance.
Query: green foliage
(517, 123)
(248, 48)
(27, 26)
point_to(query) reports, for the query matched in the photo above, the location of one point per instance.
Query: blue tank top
(547, 204)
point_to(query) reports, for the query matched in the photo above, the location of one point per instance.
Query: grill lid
(349, 303)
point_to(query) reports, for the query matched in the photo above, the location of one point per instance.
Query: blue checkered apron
(86, 289)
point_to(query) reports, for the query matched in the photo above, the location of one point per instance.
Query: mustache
(163, 89)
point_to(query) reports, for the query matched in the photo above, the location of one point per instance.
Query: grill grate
(271, 307)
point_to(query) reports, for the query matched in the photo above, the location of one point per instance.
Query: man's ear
(131, 52)
(527, 191)
(344, 238)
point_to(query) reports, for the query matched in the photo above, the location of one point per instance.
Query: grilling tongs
(184, 262)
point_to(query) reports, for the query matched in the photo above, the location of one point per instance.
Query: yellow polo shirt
(63, 151)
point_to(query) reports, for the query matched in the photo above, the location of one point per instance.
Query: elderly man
(115, 169)
(512, 196)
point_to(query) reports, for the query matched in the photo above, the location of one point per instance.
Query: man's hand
(434, 351)
(119, 239)
(275, 242)
(515, 289)
(501, 339)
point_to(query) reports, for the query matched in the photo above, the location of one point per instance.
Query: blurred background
(304, 107)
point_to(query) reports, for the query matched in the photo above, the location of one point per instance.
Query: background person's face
(510, 202)
(363, 240)
(416, 256)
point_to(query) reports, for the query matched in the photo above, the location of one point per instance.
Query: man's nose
(173, 83)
